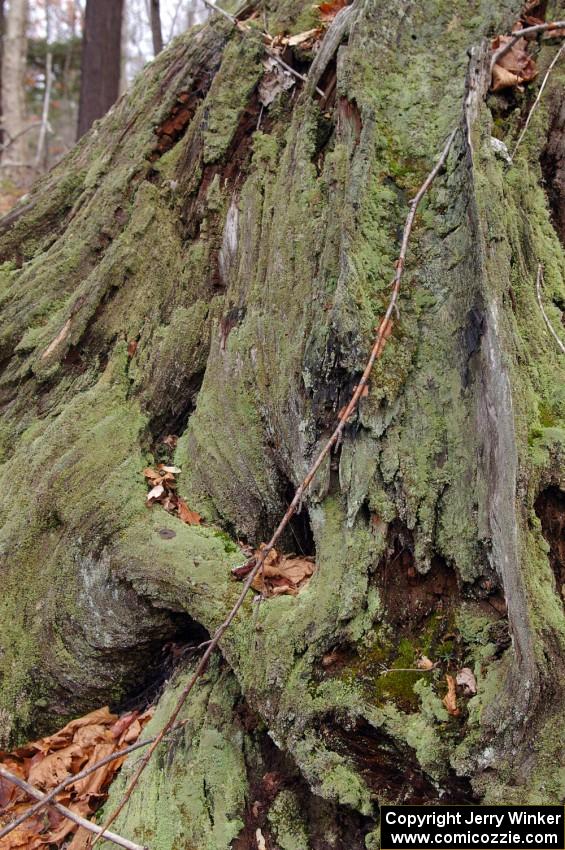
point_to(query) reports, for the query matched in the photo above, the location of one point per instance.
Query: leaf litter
(47, 762)
(281, 574)
(517, 67)
(162, 482)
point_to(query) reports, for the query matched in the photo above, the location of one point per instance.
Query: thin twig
(71, 779)
(544, 314)
(538, 98)
(12, 139)
(383, 332)
(78, 819)
(407, 670)
(518, 34)
(246, 29)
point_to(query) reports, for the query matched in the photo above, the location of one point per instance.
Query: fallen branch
(246, 29)
(71, 779)
(384, 331)
(538, 98)
(544, 314)
(518, 34)
(67, 813)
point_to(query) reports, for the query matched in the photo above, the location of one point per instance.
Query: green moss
(286, 820)
(228, 96)
(194, 790)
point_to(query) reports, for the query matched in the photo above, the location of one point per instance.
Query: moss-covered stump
(203, 267)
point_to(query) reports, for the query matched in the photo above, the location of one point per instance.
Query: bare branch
(544, 314)
(383, 332)
(86, 824)
(538, 98)
(12, 139)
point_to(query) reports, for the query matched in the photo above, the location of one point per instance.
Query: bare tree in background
(156, 30)
(2, 34)
(13, 91)
(42, 151)
(101, 67)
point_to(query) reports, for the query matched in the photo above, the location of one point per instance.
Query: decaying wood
(535, 104)
(243, 28)
(383, 333)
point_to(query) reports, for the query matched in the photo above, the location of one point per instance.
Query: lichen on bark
(248, 259)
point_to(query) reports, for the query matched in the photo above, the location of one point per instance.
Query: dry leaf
(328, 11)
(188, 516)
(132, 347)
(424, 663)
(450, 699)
(155, 494)
(280, 574)
(515, 67)
(163, 490)
(260, 840)
(466, 679)
(274, 81)
(44, 763)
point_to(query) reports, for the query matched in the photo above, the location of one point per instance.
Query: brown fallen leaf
(44, 763)
(515, 67)
(424, 663)
(163, 491)
(450, 699)
(132, 347)
(329, 10)
(186, 515)
(280, 575)
(466, 679)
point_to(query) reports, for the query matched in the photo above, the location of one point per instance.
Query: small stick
(78, 819)
(407, 670)
(383, 332)
(245, 29)
(544, 314)
(516, 36)
(538, 98)
(71, 779)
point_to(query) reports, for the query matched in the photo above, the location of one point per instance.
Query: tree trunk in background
(2, 35)
(13, 89)
(100, 80)
(198, 282)
(156, 31)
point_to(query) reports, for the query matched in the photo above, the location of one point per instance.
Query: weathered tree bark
(14, 55)
(101, 53)
(156, 31)
(202, 267)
